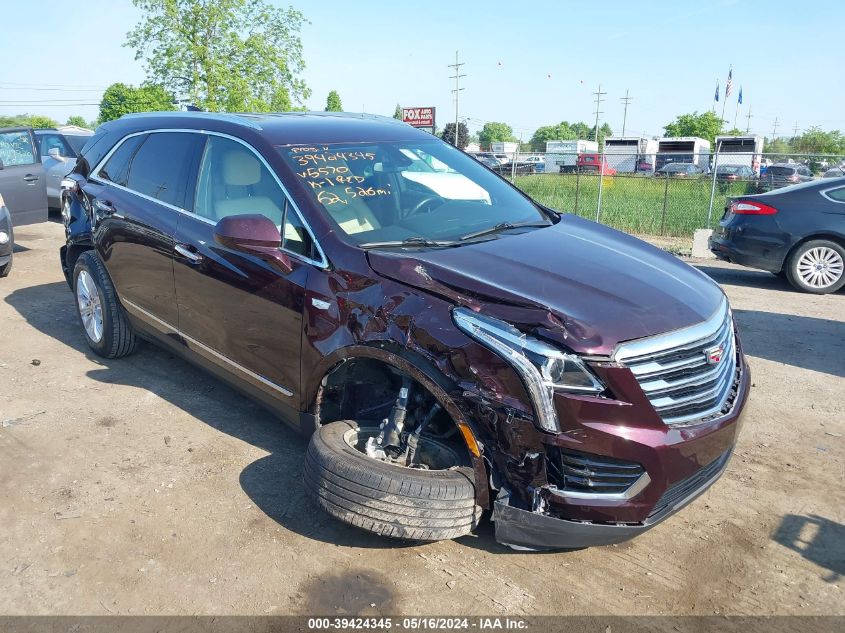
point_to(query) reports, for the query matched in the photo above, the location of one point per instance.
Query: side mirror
(54, 153)
(253, 234)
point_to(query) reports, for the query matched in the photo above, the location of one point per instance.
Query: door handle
(30, 178)
(188, 252)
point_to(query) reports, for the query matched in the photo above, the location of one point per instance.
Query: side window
(57, 141)
(116, 169)
(294, 237)
(837, 194)
(233, 181)
(161, 167)
(16, 149)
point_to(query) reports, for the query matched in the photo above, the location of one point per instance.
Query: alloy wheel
(820, 267)
(90, 305)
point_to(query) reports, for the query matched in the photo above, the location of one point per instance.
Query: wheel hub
(820, 267)
(90, 306)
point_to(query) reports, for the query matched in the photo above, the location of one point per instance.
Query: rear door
(137, 197)
(22, 177)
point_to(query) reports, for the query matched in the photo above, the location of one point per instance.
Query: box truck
(628, 154)
(683, 149)
(740, 150)
(562, 156)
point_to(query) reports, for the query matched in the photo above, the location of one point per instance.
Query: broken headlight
(544, 368)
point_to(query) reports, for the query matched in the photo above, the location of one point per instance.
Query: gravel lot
(144, 486)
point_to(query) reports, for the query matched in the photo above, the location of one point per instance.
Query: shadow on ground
(274, 483)
(817, 539)
(806, 342)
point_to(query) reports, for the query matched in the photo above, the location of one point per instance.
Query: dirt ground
(144, 486)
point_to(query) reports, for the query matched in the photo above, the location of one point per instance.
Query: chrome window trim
(823, 192)
(676, 338)
(151, 317)
(322, 263)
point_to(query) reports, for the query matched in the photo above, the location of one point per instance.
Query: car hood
(579, 283)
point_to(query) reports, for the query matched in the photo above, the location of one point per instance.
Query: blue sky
(527, 63)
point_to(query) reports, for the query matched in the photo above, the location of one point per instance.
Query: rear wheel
(106, 327)
(817, 267)
(434, 500)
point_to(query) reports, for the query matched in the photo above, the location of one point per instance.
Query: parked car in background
(7, 240)
(644, 166)
(59, 148)
(591, 163)
(729, 173)
(518, 167)
(834, 172)
(504, 159)
(535, 160)
(680, 170)
(489, 161)
(448, 356)
(783, 175)
(796, 231)
(22, 176)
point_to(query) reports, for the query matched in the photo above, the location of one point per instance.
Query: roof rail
(221, 116)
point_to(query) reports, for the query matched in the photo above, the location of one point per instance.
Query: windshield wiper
(502, 226)
(417, 240)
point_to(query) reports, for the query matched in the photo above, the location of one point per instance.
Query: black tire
(794, 276)
(387, 499)
(6, 268)
(117, 339)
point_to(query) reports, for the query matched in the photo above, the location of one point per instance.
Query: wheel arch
(822, 235)
(423, 371)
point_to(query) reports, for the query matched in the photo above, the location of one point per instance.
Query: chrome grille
(676, 376)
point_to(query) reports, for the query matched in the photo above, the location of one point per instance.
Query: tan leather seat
(241, 171)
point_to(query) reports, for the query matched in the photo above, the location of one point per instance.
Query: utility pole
(775, 129)
(795, 130)
(748, 116)
(625, 100)
(457, 90)
(598, 111)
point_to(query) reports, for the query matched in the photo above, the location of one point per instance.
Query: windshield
(392, 191)
(728, 169)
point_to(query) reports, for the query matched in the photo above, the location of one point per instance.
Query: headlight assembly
(543, 368)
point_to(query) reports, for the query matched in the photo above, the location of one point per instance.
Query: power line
(775, 129)
(795, 130)
(625, 100)
(598, 101)
(457, 90)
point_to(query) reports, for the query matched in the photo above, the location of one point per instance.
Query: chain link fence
(665, 197)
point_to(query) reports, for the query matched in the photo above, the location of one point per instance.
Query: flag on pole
(728, 85)
(740, 94)
(716, 96)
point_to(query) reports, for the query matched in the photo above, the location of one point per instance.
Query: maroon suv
(451, 346)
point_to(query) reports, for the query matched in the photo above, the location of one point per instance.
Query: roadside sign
(422, 117)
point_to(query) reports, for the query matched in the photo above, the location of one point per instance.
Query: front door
(137, 197)
(22, 177)
(240, 312)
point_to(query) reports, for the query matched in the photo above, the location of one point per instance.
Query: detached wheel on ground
(419, 503)
(817, 266)
(104, 322)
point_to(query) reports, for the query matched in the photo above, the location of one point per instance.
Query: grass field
(634, 204)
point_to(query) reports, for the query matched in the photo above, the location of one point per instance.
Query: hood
(579, 283)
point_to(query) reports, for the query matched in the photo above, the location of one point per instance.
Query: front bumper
(531, 530)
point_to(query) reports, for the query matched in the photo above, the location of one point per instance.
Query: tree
(816, 141)
(463, 134)
(29, 120)
(397, 113)
(120, 99)
(560, 132)
(494, 132)
(333, 103)
(78, 121)
(582, 131)
(223, 55)
(706, 125)
(604, 132)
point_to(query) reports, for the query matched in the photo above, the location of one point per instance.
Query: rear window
(781, 171)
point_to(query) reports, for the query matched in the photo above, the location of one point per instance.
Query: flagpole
(736, 112)
(725, 102)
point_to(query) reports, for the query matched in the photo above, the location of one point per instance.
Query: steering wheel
(419, 206)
